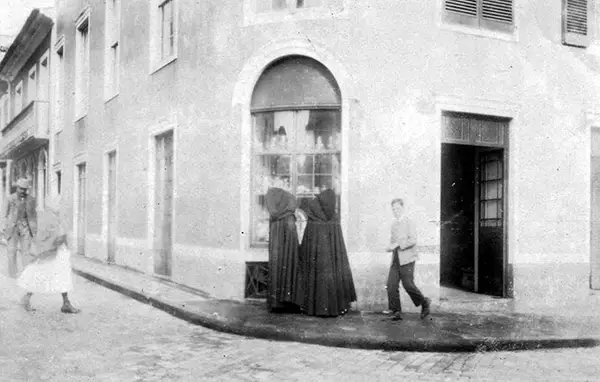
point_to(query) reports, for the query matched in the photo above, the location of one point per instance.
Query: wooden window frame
(294, 151)
(158, 59)
(478, 21)
(572, 38)
(112, 49)
(82, 65)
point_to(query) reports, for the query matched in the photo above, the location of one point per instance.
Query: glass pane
(490, 209)
(319, 130)
(272, 171)
(323, 182)
(261, 221)
(306, 185)
(492, 171)
(491, 190)
(273, 131)
(323, 164)
(305, 164)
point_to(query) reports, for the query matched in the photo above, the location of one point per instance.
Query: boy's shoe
(397, 316)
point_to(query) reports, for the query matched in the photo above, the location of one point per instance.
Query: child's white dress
(49, 275)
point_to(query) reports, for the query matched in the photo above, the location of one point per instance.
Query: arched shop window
(296, 132)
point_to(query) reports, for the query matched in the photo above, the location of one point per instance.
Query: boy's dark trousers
(406, 274)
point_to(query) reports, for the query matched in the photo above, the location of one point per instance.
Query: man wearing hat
(21, 226)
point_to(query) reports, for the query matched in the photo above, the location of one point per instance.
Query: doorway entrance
(473, 204)
(81, 208)
(163, 204)
(111, 221)
(595, 211)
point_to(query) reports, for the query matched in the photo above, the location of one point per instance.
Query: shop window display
(296, 150)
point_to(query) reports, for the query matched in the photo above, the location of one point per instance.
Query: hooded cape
(285, 278)
(329, 287)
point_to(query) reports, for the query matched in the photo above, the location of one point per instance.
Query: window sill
(509, 37)
(161, 64)
(109, 97)
(80, 116)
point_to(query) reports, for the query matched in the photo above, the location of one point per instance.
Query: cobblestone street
(118, 339)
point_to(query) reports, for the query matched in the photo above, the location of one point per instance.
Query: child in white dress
(50, 272)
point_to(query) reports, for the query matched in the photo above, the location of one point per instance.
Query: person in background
(20, 227)
(402, 245)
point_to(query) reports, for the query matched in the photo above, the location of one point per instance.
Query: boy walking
(402, 243)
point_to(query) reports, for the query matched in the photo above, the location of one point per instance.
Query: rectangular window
(495, 15)
(32, 86)
(59, 182)
(163, 34)
(7, 115)
(59, 86)
(576, 22)
(113, 33)
(18, 105)
(167, 29)
(298, 151)
(3, 111)
(82, 67)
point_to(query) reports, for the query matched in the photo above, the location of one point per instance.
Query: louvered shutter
(461, 12)
(489, 14)
(576, 22)
(497, 14)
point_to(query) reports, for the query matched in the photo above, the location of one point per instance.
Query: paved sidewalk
(444, 330)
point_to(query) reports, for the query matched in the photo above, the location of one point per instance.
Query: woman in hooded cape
(329, 287)
(50, 272)
(285, 292)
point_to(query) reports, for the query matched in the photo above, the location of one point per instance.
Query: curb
(344, 341)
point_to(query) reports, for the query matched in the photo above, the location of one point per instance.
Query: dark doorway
(457, 263)
(472, 219)
(473, 232)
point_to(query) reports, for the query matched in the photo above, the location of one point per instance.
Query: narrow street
(118, 339)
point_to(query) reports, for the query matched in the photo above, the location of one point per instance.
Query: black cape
(329, 287)
(285, 290)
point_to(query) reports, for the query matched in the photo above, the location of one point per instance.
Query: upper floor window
(43, 85)
(497, 15)
(59, 83)
(163, 35)
(4, 117)
(82, 65)
(112, 35)
(18, 105)
(576, 23)
(32, 85)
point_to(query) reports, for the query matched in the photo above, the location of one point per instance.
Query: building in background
(25, 101)
(175, 116)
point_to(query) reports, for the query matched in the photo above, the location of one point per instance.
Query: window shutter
(575, 25)
(497, 10)
(464, 7)
(461, 12)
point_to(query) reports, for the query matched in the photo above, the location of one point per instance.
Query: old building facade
(175, 116)
(25, 107)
